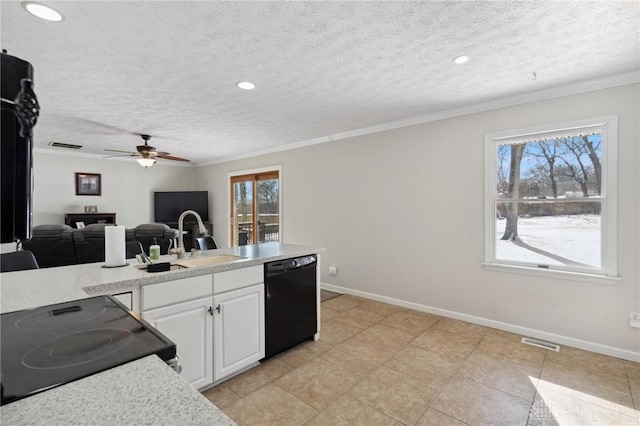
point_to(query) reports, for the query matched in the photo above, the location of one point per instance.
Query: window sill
(548, 273)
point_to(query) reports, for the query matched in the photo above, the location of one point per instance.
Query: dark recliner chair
(147, 232)
(89, 243)
(52, 245)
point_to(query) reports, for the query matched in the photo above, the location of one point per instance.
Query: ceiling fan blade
(123, 155)
(171, 157)
(118, 150)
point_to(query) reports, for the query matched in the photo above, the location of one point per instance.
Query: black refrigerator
(20, 111)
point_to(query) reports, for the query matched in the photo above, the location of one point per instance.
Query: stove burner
(77, 348)
(53, 318)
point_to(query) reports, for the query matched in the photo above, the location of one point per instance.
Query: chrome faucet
(179, 251)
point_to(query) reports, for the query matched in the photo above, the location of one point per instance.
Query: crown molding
(542, 95)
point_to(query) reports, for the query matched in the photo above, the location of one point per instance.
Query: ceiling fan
(147, 153)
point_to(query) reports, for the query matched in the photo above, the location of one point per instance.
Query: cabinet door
(238, 330)
(189, 325)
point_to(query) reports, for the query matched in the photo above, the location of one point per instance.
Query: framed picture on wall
(88, 184)
(91, 209)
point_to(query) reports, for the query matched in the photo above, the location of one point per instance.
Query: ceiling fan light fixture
(146, 162)
(41, 11)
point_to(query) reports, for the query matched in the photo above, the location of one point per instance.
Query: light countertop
(40, 287)
(145, 391)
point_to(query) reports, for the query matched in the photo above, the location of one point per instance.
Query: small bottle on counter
(154, 250)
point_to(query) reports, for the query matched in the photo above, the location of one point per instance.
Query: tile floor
(379, 364)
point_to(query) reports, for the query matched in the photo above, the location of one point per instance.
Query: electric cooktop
(49, 346)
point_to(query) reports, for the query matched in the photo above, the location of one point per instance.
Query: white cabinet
(182, 310)
(189, 325)
(216, 321)
(238, 335)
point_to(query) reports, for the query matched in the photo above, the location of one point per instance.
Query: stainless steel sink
(198, 262)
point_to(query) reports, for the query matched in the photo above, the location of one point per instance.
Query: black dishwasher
(290, 303)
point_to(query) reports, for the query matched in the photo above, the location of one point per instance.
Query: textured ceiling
(113, 69)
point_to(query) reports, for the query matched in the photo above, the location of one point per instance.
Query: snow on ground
(576, 238)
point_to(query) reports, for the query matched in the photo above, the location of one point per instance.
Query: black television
(168, 205)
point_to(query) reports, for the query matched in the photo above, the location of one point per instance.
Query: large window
(255, 207)
(551, 198)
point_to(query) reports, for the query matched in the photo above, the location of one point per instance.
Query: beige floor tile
(634, 385)
(450, 344)
(379, 308)
(344, 302)
(436, 418)
(221, 396)
(357, 356)
(501, 334)
(414, 322)
(386, 337)
(632, 368)
(326, 313)
(460, 327)
(552, 408)
(318, 382)
(335, 332)
(477, 404)
(430, 367)
(257, 377)
(348, 411)
(512, 350)
(589, 361)
(397, 395)
(510, 377)
(303, 353)
(594, 389)
(358, 317)
(269, 405)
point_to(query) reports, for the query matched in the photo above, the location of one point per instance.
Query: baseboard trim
(528, 332)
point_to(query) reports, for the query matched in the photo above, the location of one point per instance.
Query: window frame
(252, 175)
(607, 274)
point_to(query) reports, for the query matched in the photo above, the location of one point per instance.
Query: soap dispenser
(154, 250)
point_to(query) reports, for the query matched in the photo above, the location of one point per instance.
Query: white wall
(127, 188)
(401, 215)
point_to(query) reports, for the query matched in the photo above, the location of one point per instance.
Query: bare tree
(578, 170)
(595, 160)
(511, 227)
(503, 181)
(549, 151)
(268, 195)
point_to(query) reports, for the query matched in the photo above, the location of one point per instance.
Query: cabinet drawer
(237, 278)
(170, 292)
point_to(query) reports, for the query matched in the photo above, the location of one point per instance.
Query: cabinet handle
(218, 308)
(211, 310)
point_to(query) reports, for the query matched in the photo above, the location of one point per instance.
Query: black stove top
(52, 345)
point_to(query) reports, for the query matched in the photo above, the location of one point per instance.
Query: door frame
(274, 168)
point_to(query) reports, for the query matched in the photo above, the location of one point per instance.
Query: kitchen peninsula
(136, 392)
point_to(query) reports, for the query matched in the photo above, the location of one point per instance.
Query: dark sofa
(59, 245)
(52, 245)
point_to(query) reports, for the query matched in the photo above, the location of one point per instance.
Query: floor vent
(64, 145)
(540, 344)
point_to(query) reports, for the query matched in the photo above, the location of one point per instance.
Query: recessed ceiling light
(460, 59)
(42, 11)
(246, 85)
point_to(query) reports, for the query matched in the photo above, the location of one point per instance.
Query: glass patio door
(255, 208)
